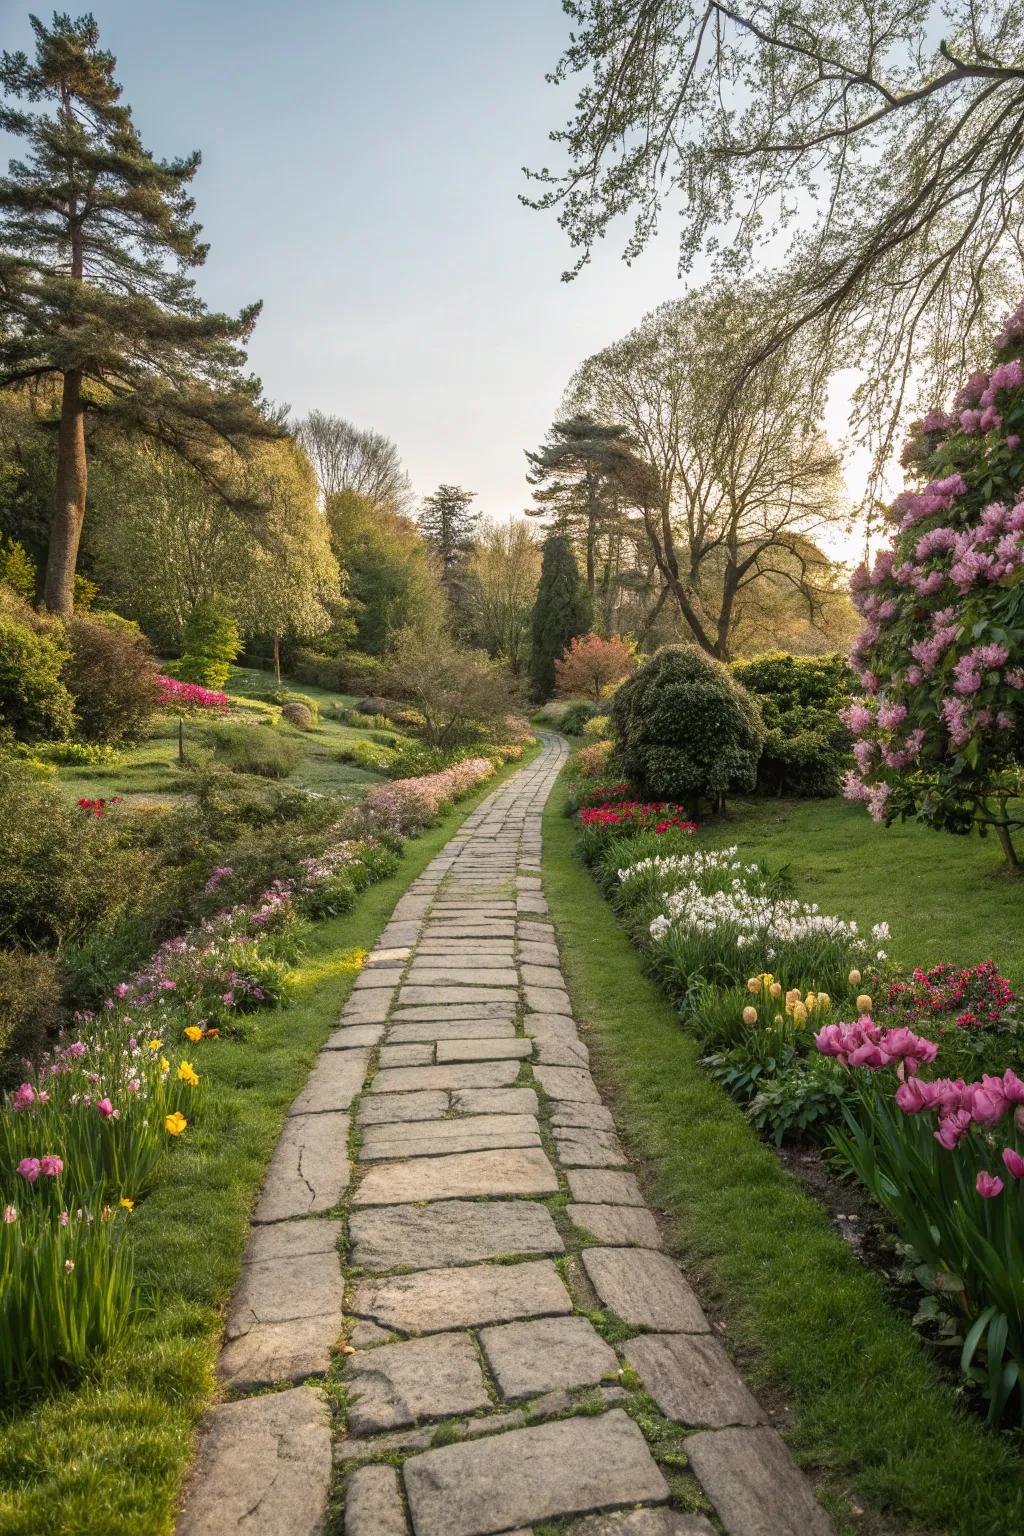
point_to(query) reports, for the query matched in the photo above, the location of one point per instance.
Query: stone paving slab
(435, 1137)
(375, 978)
(441, 996)
(504, 1010)
(692, 1380)
(397, 1384)
(589, 1149)
(626, 1225)
(453, 1029)
(547, 1000)
(419, 1053)
(309, 1170)
(366, 1008)
(436, 1300)
(373, 1503)
(461, 1074)
(543, 1356)
(519, 1171)
(574, 1083)
(495, 1101)
(582, 1116)
(336, 1078)
(434, 973)
(351, 1035)
(483, 1050)
(390, 1108)
(602, 1186)
(531, 1475)
(561, 1053)
(646, 1290)
(450, 1232)
(643, 1522)
(754, 1485)
(264, 1465)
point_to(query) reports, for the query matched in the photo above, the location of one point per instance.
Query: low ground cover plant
(259, 749)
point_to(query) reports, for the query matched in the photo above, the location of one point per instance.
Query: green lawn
(150, 770)
(945, 898)
(870, 1417)
(108, 1458)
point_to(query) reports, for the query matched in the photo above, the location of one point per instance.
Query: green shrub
(283, 696)
(64, 871)
(111, 677)
(211, 631)
(576, 716)
(807, 745)
(686, 729)
(352, 672)
(371, 756)
(29, 1008)
(34, 701)
(91, 754)
(297, 714)
(202, 670)
(258, 749)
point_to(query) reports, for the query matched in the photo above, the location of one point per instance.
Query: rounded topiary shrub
(686, 730)
(111, 677)
(297, 714)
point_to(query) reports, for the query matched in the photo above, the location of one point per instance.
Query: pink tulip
(1014, 1162)
(105, 1108)
(989, 1104)
(1013, 1088)
(915, 1095)
(29, 1169)
(953, 1129)
(988, 1185)
(51, 1165)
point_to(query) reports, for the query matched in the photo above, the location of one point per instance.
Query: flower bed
(174, 694)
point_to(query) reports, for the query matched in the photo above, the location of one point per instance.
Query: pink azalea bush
(939, 728)
(406, 805)
(173, 694)
(945, 1158)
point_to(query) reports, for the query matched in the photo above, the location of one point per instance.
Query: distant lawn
(944, 897)
(150, 770)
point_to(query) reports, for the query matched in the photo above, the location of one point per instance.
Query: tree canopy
(96, 240)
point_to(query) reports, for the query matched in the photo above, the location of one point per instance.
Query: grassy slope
(868, 1411)
(107, 1459)
(945, 898)
(151, 769)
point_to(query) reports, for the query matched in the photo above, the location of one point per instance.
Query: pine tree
(448, 525)
(96, 238)
(562, 611)
(573, 488)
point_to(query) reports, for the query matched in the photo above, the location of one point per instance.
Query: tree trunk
(1009, 851)
(277, 659)
(69, 500)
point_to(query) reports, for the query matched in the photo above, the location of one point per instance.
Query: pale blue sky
(361, 165)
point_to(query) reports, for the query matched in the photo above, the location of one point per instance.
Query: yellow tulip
(193, 1033)
(175, 1124)
(155, 1045)
(775, 989)
(824, 1001)
(188, 1074)
(799, 1013)
(854, 978)
(129, 1205)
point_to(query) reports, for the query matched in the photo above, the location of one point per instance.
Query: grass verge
(108, 1458)
(886, 1442)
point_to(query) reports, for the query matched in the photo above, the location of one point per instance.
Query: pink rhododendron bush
(945, 1158)
(409, 804)
(174, 694)
(940, 727)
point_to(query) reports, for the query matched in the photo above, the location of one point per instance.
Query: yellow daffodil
(175, 1124)
(188, 1074)
(864, 1004)
(129, 1205)
(165, 1065)
(750, 1015)
(155, 1045)
(193, 1033)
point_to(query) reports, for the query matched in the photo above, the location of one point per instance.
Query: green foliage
(351, 672)
(17, 568)
(561, 612)
(64, 873)
(34, 701)
(282, 696)
(576, 717)
(212, 631)
(203, 670)
(686, 730)
(29, 1007)
(110, 675)
(807, 745)
(258, 749)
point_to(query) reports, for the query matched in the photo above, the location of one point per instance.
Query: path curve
(490, 1208)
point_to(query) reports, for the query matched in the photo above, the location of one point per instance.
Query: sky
(362, 161)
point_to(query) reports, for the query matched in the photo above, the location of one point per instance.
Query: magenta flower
(51, 1165)
(23, 1096)
(988, 1185)
(105, 1108)
(1014, 1163)
(29, 1168)
(953, 1129)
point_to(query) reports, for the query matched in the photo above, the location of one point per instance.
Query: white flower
(880, 931)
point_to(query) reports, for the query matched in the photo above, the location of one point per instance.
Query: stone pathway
(490, 1209)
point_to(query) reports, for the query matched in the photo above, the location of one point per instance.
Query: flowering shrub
(172, 693)
(977, 995)
(946, 1159)
(940, 726)
(406, 805)
(592, 762)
